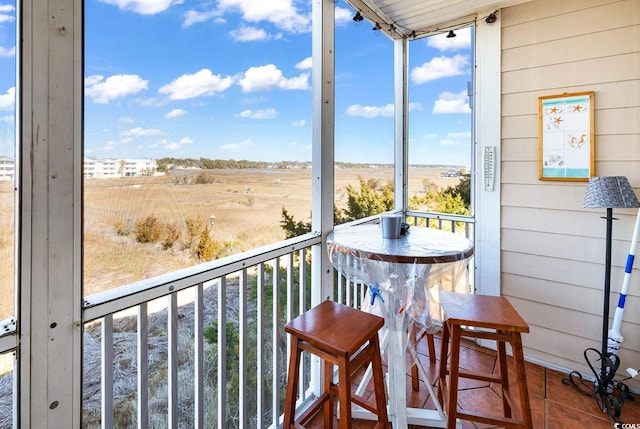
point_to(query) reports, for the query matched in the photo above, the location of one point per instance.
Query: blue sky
(231, 79)
(7, 77)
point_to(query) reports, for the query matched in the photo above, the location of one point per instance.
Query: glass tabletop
(418, 245)
(421, 270)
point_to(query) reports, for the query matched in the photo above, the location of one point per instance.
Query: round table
(416, 268)
(409, 279)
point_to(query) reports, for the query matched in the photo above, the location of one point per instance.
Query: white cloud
(257, 114)
(370, 111)
(415, 106)
(151, 102)
(305, 64)
(9, 119)
(282, 13)
(455, 139)
(8, 99)
(440, 67)
(300, 123)
(127, 119)
(175, 113)
(449, 102)
(7, 52)
(140, 132)
(376, 111)
(249, 101)
(170, 145)
(248, 34)
(102, 90)
(343, 16)
(144, 7)
(7, 13)
(442, 43)
(194, 85)
(243, 146)
(265, 78)
(196, 17)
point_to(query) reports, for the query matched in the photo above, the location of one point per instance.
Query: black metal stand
(609, 394)
(607, 294)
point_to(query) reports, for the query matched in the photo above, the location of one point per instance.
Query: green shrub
(122, 228)
(148, 230)
(194, 227)
(203, 179)
(208, 248)
(171, 235)
(292, 227)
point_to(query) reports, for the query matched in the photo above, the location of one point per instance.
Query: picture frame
(566, 137)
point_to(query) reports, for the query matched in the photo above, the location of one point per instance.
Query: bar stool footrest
(481, 376)
(490, 420)
(313, 409)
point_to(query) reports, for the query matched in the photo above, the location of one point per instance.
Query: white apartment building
(7, 168)
(114, 167)
(98, 168)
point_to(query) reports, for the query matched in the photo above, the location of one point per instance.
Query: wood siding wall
(553, 249)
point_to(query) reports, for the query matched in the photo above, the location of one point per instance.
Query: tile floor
(554, 405)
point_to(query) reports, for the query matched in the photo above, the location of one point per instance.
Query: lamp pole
(602, 386)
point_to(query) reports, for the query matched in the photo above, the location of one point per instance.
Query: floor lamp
(608, 192)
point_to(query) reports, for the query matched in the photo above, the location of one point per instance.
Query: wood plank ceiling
(416, 18)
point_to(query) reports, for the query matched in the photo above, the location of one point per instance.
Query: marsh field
(246, 206)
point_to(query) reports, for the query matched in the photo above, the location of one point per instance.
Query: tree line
(372, 198)
(169, 163)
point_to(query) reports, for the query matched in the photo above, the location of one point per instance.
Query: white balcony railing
(8, 346)
(154, 355)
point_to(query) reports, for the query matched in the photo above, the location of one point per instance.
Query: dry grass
(247, 206)
(6, 249)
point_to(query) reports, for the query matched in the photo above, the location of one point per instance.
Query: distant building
(113, 168)
(97, 168)
(7, 168)
(451, 173)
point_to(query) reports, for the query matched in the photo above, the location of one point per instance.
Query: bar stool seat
(341, 336)
(490, 318)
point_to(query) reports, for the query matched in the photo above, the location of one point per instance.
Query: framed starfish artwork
(566, 137)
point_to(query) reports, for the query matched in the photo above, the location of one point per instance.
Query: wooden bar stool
(341, 336)
(491, 318)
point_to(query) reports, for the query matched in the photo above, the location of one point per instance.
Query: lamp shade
(610, 192)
